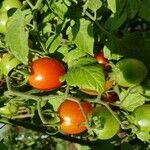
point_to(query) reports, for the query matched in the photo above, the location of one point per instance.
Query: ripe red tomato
(101, 59)
(46, 73)
(71, 116)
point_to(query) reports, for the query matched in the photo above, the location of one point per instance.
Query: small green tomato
(105, 125)
(129, 72)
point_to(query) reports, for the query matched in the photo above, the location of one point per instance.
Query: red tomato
(101, 59)
(72, 117)
(46, 73)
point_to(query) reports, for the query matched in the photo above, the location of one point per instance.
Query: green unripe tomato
(7, 63)
(106, 126)
(3, 21)
(142, 117)
(8, 4)
(130, 72)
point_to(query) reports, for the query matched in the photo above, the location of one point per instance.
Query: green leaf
(86, 75)
(16, 36)
(143, 135)
(94, 5)
(132, 98)
(113, 23)
(133, 8)
(144, 10)
(59, 8)
(53, 43)
(82, 33)
(112, 5)
(55, 102)
(73, 55)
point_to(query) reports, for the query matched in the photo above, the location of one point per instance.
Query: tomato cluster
(5, 6)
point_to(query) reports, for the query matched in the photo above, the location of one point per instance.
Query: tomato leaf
(82, 35)
(94, 5)
(132, 98)
(59, 8)
(113, 23)
(86, 75)
(55, 102)
(53, 43)
(73, 55)
(133, 8)
(17, 37)
(144, 10)
(112, 5)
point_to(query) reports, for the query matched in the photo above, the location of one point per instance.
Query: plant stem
(22, 116)
(38, 3)
(82, 110)
(30, 4)
(67, 91)
(40, 111)
(115, 116)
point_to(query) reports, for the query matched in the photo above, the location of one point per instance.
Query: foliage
(73, 31)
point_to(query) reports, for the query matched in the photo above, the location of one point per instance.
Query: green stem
(67, 91)
(22, 116)
(82, 110)
(115, 116)
(38, 3)
(40, 111)
(30, 4)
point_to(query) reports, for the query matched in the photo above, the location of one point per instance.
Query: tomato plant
(44, 34)
(46, 73)
(3, 21)
(105, 125)
(129, 72)
(7, 63)
(8, 4)
(72, 118)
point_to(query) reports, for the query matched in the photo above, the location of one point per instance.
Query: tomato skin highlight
(72, 117)
(101, 59)
(46, 73)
